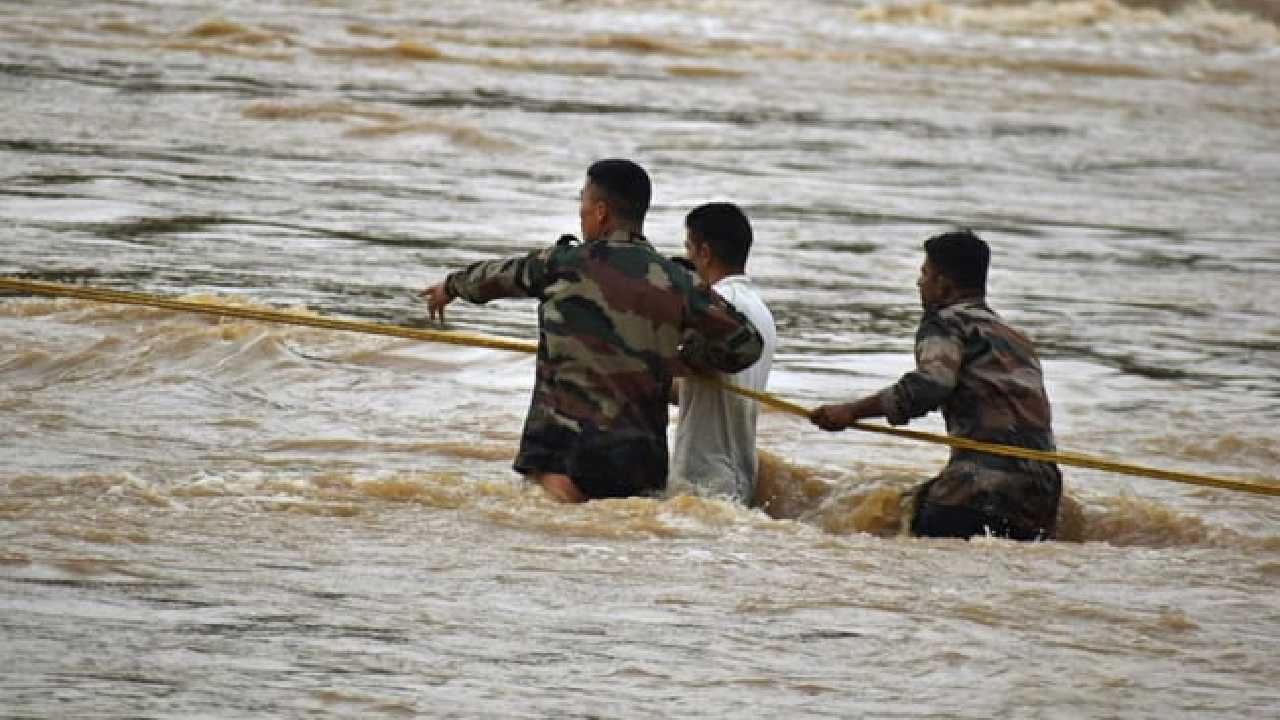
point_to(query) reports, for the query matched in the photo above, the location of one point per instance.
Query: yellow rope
(271, 316)
(1062, 458)
(498, 343)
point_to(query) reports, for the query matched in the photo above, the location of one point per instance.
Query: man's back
(616, 322)
(715, 449)
(998, 397)
(611, 327)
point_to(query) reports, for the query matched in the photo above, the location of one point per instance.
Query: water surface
(207, 518)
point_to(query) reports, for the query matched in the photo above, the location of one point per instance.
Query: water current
(220, 518)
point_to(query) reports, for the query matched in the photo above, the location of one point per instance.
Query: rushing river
(215, 518)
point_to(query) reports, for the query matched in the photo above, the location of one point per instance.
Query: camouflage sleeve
(938, 355)
(717, 336)
(514, 277)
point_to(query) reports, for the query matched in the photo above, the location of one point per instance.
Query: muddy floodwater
(214, 518)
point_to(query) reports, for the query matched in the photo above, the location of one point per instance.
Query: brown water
(227, 519)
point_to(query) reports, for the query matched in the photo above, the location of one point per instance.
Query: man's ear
(702, 251)
(946, 286)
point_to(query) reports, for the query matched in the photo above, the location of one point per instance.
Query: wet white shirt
(715, 443)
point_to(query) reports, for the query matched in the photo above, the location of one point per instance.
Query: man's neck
(616, 228)
(716, 273)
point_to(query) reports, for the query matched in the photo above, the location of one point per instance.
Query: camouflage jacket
(986, 377)
(616, 322)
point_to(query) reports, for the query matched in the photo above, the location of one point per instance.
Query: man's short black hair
(725, 229)
(961, 257)
(625, 186)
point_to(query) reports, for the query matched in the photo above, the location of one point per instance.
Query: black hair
(725, 229)
(624, 186)
(961, 257)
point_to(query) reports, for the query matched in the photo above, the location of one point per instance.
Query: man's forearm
(842, 415)
(488, 280)
(867, 407)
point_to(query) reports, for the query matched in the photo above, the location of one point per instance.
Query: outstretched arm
(480, 282)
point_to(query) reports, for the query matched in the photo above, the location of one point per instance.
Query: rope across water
(499, 343)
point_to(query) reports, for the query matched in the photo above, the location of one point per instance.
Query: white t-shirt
(715, 443)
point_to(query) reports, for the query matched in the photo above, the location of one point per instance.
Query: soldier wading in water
(616, 322)
(985, 376)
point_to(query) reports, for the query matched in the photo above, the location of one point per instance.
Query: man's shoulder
(977, 320)
(623, 281)
(734, 286)
(640, 262)
(742, 293)
(963, 317)
(962, 322)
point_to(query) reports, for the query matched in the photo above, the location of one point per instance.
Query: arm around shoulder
(718, 336)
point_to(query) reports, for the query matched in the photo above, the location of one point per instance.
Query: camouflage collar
(968, 300)
(971, 300)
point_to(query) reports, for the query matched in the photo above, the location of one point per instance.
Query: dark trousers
(954, 521)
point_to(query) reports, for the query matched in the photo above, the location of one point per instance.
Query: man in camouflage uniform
(985, 376)
(616, 321)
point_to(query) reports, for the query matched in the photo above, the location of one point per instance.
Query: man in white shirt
(715, 442)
